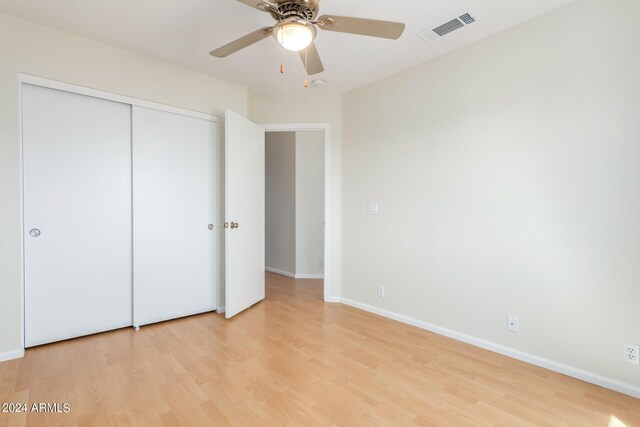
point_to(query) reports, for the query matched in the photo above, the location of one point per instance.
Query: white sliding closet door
(77, 214)
(174, 214)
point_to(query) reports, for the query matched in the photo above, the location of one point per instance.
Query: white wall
(309, 201)
(280, 201)
(313, 108)
(38, 50)
(508, 181)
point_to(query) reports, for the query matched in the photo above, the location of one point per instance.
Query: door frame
(326, 128)
(24, 78)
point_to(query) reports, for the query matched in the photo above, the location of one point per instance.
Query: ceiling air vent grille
(448, 27)
(467, 19)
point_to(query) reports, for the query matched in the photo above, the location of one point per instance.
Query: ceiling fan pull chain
(306, 67)
(282, 57)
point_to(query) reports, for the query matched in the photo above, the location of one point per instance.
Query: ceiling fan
(295, 29)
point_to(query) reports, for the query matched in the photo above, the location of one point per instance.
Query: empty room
(320, 213)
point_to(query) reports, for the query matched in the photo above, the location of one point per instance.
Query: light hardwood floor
(293, 360)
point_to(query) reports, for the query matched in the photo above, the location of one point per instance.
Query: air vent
(467, 19)
(433, 34)
(450, 26)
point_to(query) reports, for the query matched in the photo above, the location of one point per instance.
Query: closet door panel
(174, 204)
(77, 214)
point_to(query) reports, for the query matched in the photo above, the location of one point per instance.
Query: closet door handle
(210, 226)
(34, 232)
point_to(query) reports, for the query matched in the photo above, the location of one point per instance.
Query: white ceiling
(184, 31)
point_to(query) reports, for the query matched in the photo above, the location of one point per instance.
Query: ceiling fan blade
(365, 27)
(311, 58)
(242, 42)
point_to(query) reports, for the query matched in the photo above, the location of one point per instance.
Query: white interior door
(77, 214)
(174, 215)
(244, 213)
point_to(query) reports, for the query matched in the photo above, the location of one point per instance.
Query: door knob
(34, 232)
(210, 226)
(234, 225)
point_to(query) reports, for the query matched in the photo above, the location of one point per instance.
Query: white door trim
(326, 128)
(81, 90)
(20, 352)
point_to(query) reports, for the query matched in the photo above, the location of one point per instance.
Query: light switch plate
(372, 208)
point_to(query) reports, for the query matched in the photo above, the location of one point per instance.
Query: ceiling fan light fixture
(294, 35)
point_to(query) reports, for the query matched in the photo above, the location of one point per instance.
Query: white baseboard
(561, 368)
(293, 275)
(332, 299)
(309, 276)
(13, 354)
(284, 273)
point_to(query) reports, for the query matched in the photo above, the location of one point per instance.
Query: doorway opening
(296, 206)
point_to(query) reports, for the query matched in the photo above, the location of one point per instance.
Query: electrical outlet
(632, 354)
(381, 291)
(513, 322)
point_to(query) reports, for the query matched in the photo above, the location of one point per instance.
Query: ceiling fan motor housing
(286, 9)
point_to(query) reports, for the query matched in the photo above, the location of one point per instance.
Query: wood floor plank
(293, 360)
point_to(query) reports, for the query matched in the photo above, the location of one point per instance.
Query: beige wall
(280, 201)
(508, 181)
(34, 49)
(309, 203)
(306, 109)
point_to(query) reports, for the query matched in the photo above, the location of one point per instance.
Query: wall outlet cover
(513, 323)
(381, 291)
(632, 354)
